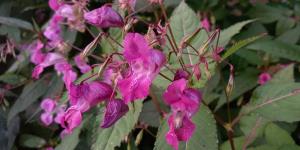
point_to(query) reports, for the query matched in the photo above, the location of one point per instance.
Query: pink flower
(114, 110)
(104, 17)
(37, 55)
(81, 64)
(69, 76)
(49, 60)
(127, 4)
(182, 98)
(54, 4)
(48, 105)
(86, 95)
(144, 64)
(206, 24)
(264, 78)
(53, 31)
(71, 119)
(47, 118)
(184, 104)
(181, 129)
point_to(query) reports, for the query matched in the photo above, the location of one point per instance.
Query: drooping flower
(184, 103)
(37, 56)
(53, 31)
(86, 95)
(144, 64)
(71, 119)
(181, 128)
(69, 76)
(47, 118)
(48, 105)
(264, 78)
(104, 17)
(206, 24)
(49, 60)
(74, 15)
(81, 64)
(127, 4)
(114, 110)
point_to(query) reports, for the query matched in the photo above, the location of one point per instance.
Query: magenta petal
(47, 118)
(135, 47)
(104, 17)
(181, 133)
(81, 64)
(59, 117)
(37, 71)
(180, 73)
(71, 119)
(158, 58)
(115, 109)
(174, 91)
(99, 91)
(54, 4)
(134, 87)
(48, 105)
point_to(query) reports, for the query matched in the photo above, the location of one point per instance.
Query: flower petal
(115, 109)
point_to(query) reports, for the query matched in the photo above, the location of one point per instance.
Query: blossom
(71, 119)
(127, 4)
(184, 103)
(54, 4)
(73, 14)
(144, 64)
(86, 95)
(37, 55)
(69, 76)
(53, 31)
(104, 17)
(114, 110)
(181, 128)
(49, 60)
(264, 78)
(206, 24)
(48, 105)
(81, 64)
(182, 98)
(47, 118)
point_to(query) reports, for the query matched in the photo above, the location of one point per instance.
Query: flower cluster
(121, 80)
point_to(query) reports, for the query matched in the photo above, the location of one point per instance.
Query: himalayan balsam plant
(167, 63)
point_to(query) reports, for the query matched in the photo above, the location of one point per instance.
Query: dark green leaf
(31, 141)
(16, 23)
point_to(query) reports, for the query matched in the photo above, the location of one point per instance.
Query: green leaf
(283, 25)
(204, 138)
(70, 141)
(31, 141)
(276, 136)
(238, 143)
(16, 23)
(229, 32)
(29, 95)
(109, 138)
(291, 36)
(277, 101)
(253, 124)
(149, 114)
(265, 13)
(284, 75)
(238, 45)
(277, 48)
(11, 78)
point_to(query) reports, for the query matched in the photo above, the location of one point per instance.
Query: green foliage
(16, 23)
(31, 141)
